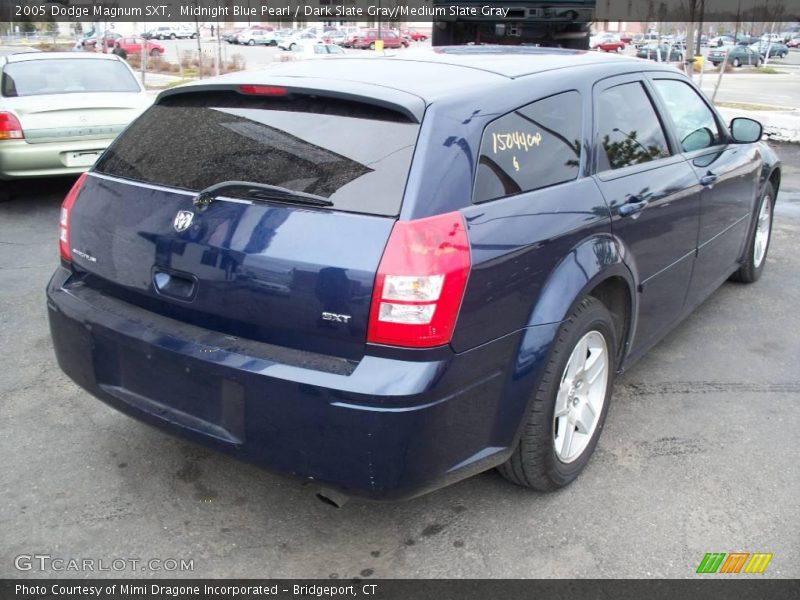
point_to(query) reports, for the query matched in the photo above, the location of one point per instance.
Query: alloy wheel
(581, 396)
(762, 232)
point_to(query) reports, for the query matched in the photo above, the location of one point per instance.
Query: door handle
(708, 180)
(632, 207)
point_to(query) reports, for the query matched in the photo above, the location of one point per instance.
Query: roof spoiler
(404, 103)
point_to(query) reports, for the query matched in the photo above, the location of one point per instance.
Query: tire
(251, 43)
(155, 53)
(536, 463)
(372, 46)
(291, 46)
(173, 37)
(736, 62)
(758, 240)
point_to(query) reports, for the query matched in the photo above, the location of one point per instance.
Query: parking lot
(699, 454)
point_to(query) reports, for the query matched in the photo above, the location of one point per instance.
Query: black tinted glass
(531, 148)
(694, 122)
(355, 154)
(630, 132)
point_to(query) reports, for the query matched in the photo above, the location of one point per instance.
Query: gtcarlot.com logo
(734, 563)
(46, 562)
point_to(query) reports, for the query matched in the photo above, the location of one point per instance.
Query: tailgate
(281, 272)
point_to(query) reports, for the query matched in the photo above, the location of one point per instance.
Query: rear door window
(630, 130)
(534, 147)
(355, 154)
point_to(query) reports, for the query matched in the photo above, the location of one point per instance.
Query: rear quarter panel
(533, 254)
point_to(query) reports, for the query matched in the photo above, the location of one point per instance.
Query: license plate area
(82, 158)
(172, 388)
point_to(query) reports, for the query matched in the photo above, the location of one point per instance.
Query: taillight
(10, 129)
(64, 221)
(420, 282)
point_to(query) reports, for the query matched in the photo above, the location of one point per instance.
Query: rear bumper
(380, 428)
(19, 159)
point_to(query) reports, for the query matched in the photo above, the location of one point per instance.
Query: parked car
(646, 39)
(230, 35)
(775, 49)
(607, 43)
(720, 41)
(60, 110)
(415, 36)
(252, 37)
(775, 38)
(351, 38)
(170, 32)
(368, 38)
(337, 36)
(793, 43)
(91, 43)
(318, 50)
(301, 37)
(133, 45)
(341, 308)
(626, 38)
(110, 38)
(662, 52)
(737, 56)
(91, 36)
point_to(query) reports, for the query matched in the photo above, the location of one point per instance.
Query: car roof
(414, 78)
(26, 56)
(432, 73)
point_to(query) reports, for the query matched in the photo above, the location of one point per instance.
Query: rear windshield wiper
(261, 191)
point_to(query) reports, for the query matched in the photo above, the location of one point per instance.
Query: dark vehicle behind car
(737, 56)
(383, 275)
(661, 52)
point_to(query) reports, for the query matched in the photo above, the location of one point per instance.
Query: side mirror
(746, 131)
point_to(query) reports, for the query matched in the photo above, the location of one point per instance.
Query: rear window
(65, 75)
(356, 155)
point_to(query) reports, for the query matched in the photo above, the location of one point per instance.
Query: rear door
(269, 268)
(653, 195)
(728, 174)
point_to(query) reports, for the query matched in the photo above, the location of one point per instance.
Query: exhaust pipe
(331, 497)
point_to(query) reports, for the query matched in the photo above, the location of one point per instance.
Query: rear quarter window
(533, 147)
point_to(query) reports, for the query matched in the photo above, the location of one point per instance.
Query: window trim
(581, 159)
(612, 174)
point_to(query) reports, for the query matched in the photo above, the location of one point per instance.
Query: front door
(729, 174)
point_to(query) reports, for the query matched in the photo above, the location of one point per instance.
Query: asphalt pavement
(700, 454)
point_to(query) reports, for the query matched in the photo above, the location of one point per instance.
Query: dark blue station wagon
(387, 274)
